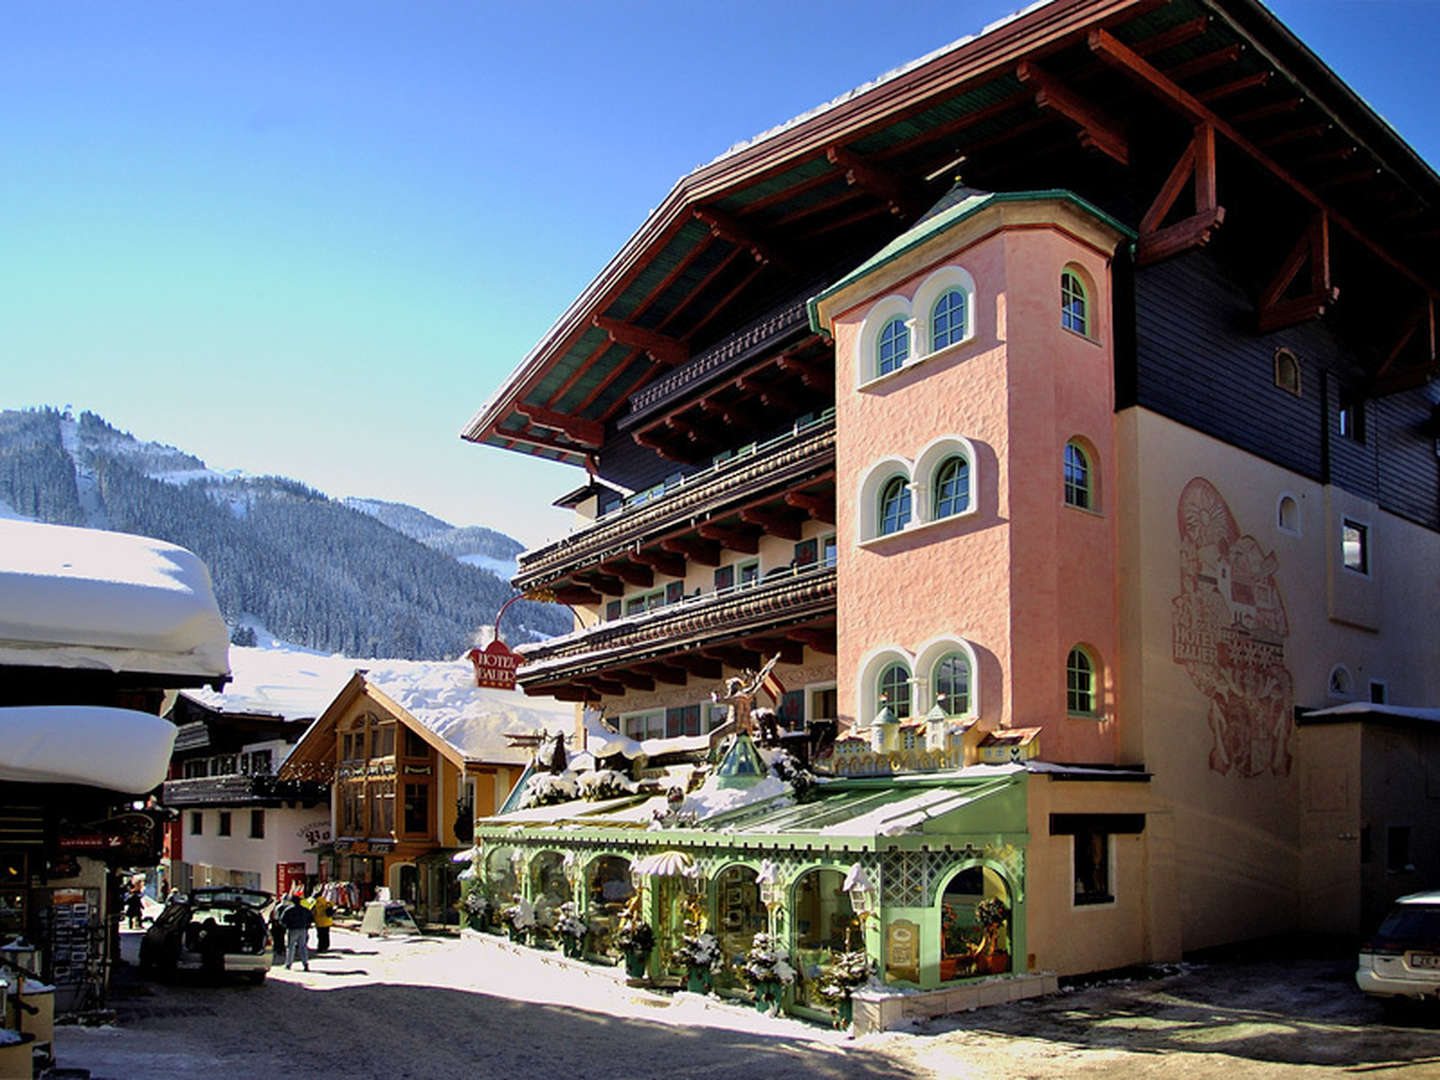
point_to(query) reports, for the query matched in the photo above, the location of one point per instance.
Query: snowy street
(437, 1007)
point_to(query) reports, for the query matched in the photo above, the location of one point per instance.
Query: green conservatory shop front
(901, 863)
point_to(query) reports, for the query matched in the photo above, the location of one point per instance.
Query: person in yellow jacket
(320, 908)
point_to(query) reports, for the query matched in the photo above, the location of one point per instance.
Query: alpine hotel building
(1059, 409)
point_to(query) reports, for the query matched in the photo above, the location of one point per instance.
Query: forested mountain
(350, 579)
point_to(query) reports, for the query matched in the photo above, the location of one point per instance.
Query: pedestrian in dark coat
(296, 919)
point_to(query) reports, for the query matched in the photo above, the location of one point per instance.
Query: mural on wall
(1228, 630)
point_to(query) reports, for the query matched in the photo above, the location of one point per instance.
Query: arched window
(1074, 304)
(952, 487)
(894, 505)
(893, 347)
(1341, 685)
(947, 320)
(894, 689)
(1287, 514)
(1287, 371)
(1079, 683)
(951, 681)
(1077, 477)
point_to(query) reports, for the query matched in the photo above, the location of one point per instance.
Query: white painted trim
(867, 350)
(868, 670)
(867, 522)
(927, 463)
(936, 285)
(930, 653)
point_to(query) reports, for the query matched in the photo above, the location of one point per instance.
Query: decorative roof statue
(740, 693)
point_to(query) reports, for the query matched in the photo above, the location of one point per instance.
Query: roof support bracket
(1196, 164)
(1097, 131)
(662, 348)
(1274, 311)
(861, 173)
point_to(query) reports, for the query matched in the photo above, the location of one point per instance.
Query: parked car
(220, 930)
(1402, 958)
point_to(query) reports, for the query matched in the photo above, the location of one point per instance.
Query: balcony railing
(228, 790)
(776, 464)
(784, 598)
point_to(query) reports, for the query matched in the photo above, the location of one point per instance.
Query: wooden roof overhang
(697, 638)
(1150, 109)
(771, 490)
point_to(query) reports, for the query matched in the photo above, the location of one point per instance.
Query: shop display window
(608, 880)
(739, 916)
(822, 916)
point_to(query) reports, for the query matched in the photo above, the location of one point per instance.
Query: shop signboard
(287, 876)
(130, 839)
(494, 665)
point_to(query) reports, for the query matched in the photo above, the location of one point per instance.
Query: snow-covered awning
(119, 749)
(86, 598)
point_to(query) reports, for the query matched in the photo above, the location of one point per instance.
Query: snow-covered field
(478, 1007)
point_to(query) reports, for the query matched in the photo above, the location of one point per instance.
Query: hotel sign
(494, 666)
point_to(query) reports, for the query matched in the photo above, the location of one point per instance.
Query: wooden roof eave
(837, 122)
(318, 742)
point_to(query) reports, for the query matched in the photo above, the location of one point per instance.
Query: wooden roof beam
(863, 174)
(1274, 311)
(588, 433)
(1422, 315)
(817, 639)
(605, 685)
(790, 652)
(661, 562)
(1233, 87)
(702, 667)
(642, 577)
(664, 672)
(605, 584)
(541, 441)
(560, 692)
(576, 594)
(633, 680)
(1108, 48)
(1200, 64)
(704, 552)
(734, 655)
(1300, 134)
(812, 375)
(787, 528)
(769, 395)
(662, 348)
(1097, 131)
(1263, 112)
(1176, 35)
(728, 227)
(731, 539)
(1197, 165)
(819, 507)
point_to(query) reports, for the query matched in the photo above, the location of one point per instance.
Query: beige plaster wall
(1240, 846)
(1330, 821)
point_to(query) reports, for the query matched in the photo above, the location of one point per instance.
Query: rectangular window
(415, 746)
(674, 592)
(383, 740)
(382, 808)
(655, 600)
(1397, 849)
(749, 573)
(1352, 418)
(195, 769)
(612, 610)
(1378, 692)
(352, 808)
(197, 823)
(1092, 867)
(792, 710)
(417, 809)
(724, 578)
(806, 553)
(1355, 546)
(646, 726)
(635, 605)
(257, 824)
(261, 762)
(823, 704)
(684, 720)
(226, 765)
(224, 829)
(827, 550)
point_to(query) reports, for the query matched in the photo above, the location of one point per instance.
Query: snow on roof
(86, 598)
(125, 750)
(442, 696)
(1359, 709)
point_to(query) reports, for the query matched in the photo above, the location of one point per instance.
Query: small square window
(1379, 693)
(1355, 546)
(724, 578)
(750, 573)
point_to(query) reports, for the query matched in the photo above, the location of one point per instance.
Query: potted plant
(519, 916)
(635, 938)
(572, 929)
(476, 909)
(991, 914)
(767, 969)
(957, 950)
(849, 972)
(700, 953)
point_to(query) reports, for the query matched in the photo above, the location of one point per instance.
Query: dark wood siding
(1200, 362)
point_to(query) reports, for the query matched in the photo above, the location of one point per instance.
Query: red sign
(494, 665)
(287, 876)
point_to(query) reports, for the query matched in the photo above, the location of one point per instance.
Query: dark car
(219, 930)
(1402, 958)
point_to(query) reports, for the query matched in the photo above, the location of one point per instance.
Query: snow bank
(124, 750)
(85, 598)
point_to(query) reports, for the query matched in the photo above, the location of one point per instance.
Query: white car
(219, 930)
(1402, 958)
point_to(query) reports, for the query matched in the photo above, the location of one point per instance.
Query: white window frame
(927, 464)
(927, 295)
(868, 676)
(867, 355)
(634, 714)
(929, 654)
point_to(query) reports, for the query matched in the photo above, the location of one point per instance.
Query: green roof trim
(928, 228)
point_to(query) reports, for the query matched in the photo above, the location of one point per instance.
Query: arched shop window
(739, 916)
(975, 924)
(822, 917)
(607, 880)
(500, 880)
(549, 887)
(893, 690)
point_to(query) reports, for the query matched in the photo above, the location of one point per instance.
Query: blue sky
(310, 238)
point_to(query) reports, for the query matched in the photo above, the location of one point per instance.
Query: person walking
(135, 904)
(320, 909)
(296, 919)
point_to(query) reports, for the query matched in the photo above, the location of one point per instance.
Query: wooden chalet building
(1074, 380)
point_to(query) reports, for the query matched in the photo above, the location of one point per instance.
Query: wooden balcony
(241, 790)
(785, 613)
(767, 487)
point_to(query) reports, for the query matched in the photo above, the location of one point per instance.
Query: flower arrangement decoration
(634, 935)
(519, 913)
(699, 951)
(477, 904)
(568, 922)
(991, 914)
(953, 939)
(767, 962)
(849, 971)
